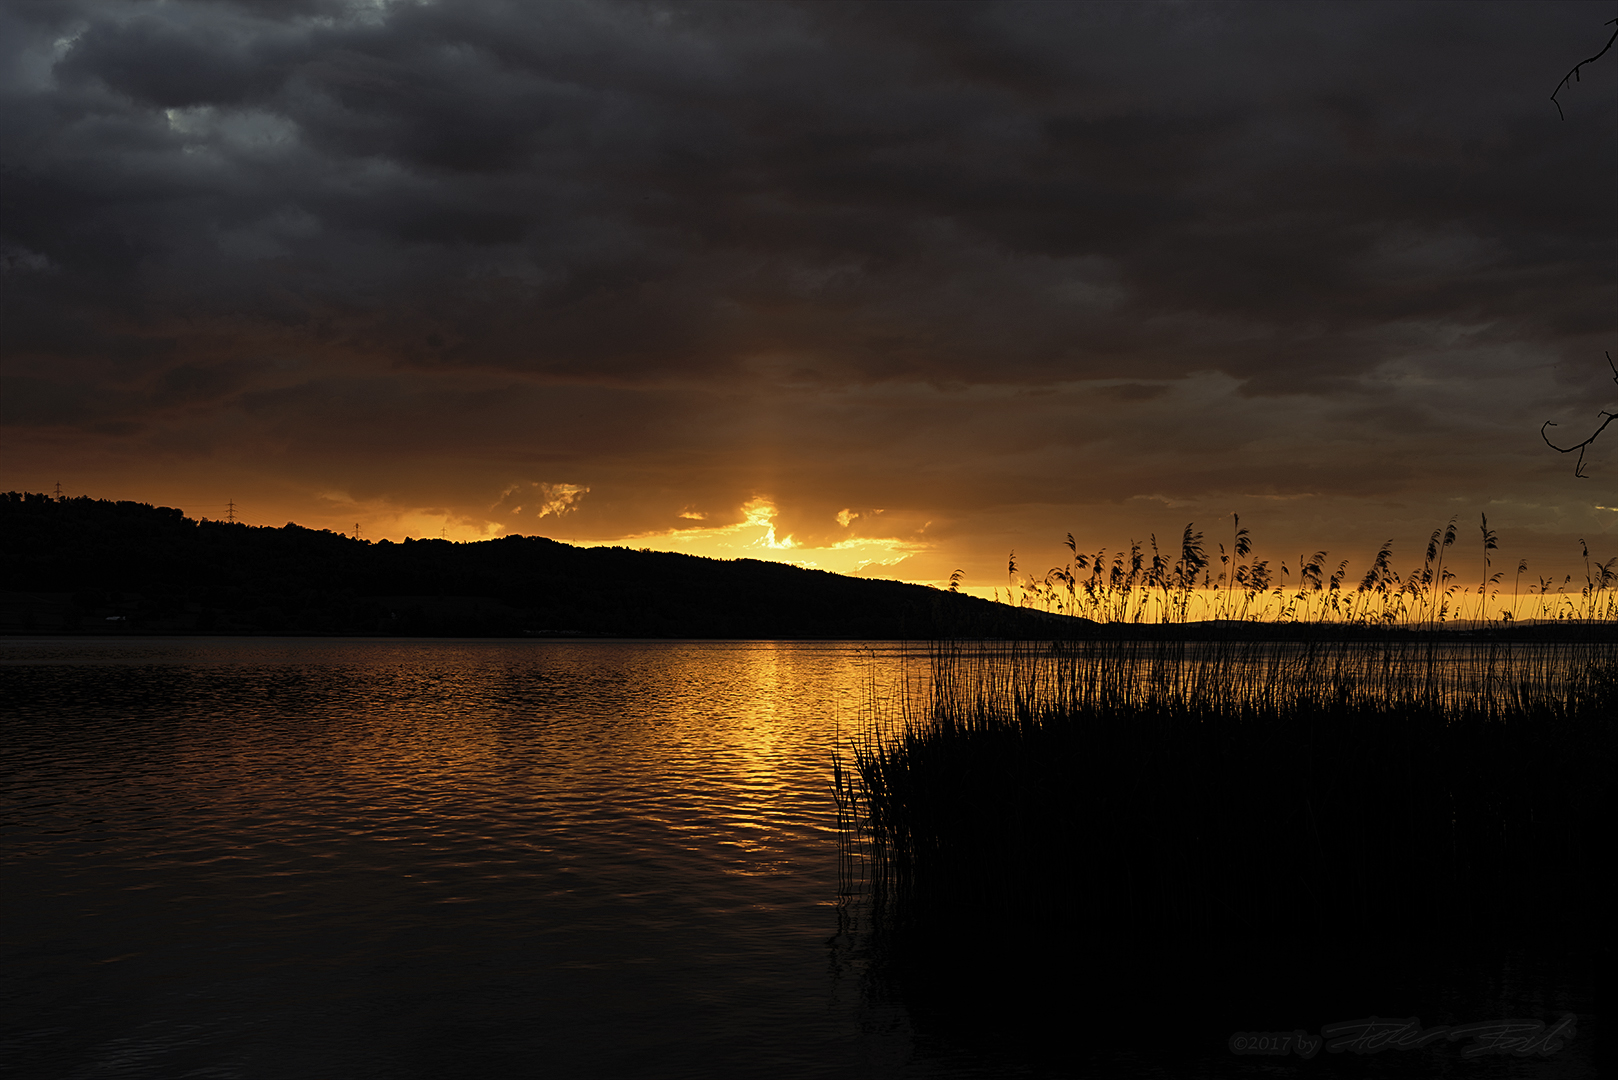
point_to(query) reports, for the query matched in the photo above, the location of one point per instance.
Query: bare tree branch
(1605, 417)
(1573, 76)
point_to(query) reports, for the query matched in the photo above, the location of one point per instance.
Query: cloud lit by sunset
(728, 278)
(755, 537)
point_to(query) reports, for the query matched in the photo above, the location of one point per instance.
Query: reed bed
(1206, 580)
(1114, 796)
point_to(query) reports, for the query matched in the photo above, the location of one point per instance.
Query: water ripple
(294, 857)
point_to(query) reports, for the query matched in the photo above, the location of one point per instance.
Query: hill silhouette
(92, 565)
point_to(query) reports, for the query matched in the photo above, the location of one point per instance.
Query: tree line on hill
(82, 564)
(85, 565)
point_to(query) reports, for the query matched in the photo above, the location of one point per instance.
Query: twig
(1573, 76)
(1578, 469)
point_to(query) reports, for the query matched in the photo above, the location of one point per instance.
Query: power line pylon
(58, 490)
(356, 530)
(230, 513)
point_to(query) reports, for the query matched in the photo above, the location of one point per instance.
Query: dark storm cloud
(825, 178)
(263, 204)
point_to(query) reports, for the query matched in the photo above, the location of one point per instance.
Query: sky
(890, 289)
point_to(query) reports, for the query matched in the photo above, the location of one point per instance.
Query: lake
(402, 858)
(287, 857)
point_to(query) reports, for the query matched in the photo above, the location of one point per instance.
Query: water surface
(303, 857)
(290, 857)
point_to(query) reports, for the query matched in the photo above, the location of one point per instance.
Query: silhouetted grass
(1204, 580)
(1115, 798)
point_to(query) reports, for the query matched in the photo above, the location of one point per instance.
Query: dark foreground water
(293, 857)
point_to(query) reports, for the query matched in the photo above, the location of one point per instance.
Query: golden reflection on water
(536, 839)
(715, 747)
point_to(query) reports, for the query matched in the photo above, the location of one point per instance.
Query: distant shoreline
(88, 567)
(1543, 630)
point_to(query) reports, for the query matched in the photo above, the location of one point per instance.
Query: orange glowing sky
(885, 289)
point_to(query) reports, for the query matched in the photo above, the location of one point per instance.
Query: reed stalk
(1132, 588)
